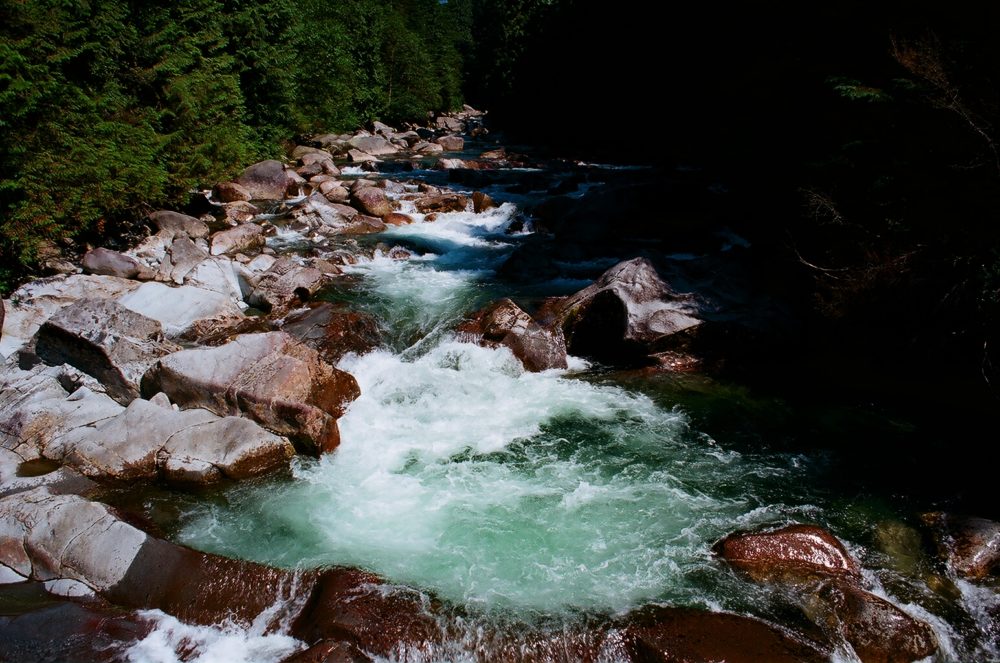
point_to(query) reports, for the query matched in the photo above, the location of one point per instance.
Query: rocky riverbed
(386, 392)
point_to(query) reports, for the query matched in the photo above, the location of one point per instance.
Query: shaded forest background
(858, 141)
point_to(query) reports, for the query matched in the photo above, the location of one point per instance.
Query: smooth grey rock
(243, 238)
(106, 262)
(374, 145)
(265, 180)
(175, 223)
(451, 143)
(103, 338)
(178, 309)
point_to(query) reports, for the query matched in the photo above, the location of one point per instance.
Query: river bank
(412, 397)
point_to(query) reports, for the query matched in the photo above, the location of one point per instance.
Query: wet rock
(397, 219)
(451, 164)
(175, 223)
(357, 156)
(372, 201)
(625, 315)
(105, 262)
(377, 618)
(374, 145)
(481, 202)
(103, 338)
(295, 184)
(33, 303)
(796, 553)
(330, 651)
(878, 631)
(230, 192)
(504, 323)
(673, 635)
(333, 331)
(242, 238)
(337, 219)
(969, 545)
(265, 180)
(178, 309)
(271, 378)
(498, 154)
(239, 212)
(286, 283)
(448, 202)
(451, 143)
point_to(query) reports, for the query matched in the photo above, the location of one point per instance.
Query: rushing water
(519, 497)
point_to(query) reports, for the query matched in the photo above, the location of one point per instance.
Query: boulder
(103, 338)
(175, 223)
(427, 148)
(300, 152)
(372, 201)
(334, 191)
(397, 219)
(149, 441)
(231, 192)
(384, 129)
(333, 331)
(181, 308)
(106, 262)
(336, 219)
(447, 202)
(357, 156)
(495, 155)
(295, 184)
(265, 180)
(625, 315)
(239, 212)
(970, 546)
(676, 635)
(180, 258)
(796, 553)
(481, 202)
(243, 238)
(285, 283)
(451, 143)
(223, 276)
(504, 323)
(374, 145)
(33, 303)
(451, 164)
(449, 123)
(271, 378)
(310, 170)
(878, 631)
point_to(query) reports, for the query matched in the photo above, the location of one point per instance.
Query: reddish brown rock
(504, 323)
(672, 635)
(970, 546)
(378, 619)
(397, 219)
(448, 202)
(230, 192)
(330, 651)
(334, 332)
(272, 378)
(372, 201)
(481, 202)
(878, 631)
(795, 553)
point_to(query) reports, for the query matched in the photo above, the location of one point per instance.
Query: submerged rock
(271, 378)
(103, 338)
(970, 546)
(505, 323)
(625, 315)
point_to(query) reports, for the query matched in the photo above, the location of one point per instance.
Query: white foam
(173, 641)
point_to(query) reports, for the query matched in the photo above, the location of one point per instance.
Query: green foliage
(108, 107)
